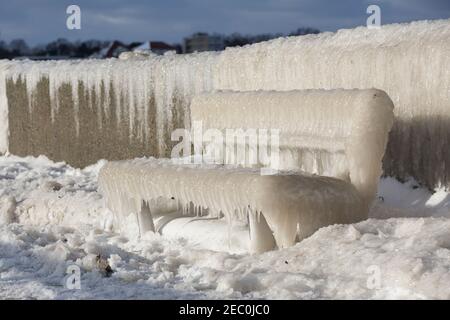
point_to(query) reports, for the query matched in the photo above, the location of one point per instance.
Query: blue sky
(41, 21)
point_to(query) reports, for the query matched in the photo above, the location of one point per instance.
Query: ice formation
(337, 133)
(291, 204)
(150, 97)
(285, 200)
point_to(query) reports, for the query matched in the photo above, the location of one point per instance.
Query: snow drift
(118, 109)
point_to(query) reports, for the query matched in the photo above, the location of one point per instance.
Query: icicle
(4, 122)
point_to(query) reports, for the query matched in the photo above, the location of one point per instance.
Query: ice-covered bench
(331, 145)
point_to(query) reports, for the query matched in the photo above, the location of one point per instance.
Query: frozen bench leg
(261, 237)
(145, 219)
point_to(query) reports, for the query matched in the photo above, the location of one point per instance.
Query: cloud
(114, 20)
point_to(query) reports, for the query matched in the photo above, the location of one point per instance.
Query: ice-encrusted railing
(147, 98)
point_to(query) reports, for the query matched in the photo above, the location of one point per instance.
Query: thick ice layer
(408, 61)
(286, 200)
(338, 133)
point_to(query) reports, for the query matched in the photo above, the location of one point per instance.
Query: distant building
(115, 48)
(157, 47)
(203, 42)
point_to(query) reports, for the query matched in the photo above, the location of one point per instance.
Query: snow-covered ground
(402, 251)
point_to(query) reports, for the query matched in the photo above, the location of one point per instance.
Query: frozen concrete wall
(100, 134)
